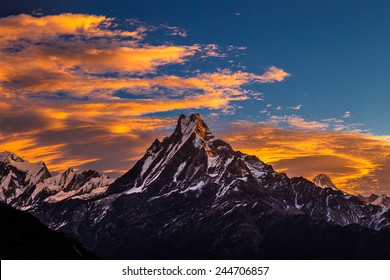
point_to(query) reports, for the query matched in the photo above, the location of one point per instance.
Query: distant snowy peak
(8, 156)
(69, 185)
(17, 174)
(323, 181)
(24, 184)
(35, 170)
(380, 200)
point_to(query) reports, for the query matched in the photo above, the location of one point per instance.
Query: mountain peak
(189, 159)
(6, 156)
(323, 181)
(10, 157)
(18, 174)
(193, 124)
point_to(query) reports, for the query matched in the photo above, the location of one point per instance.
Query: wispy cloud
(298, 122)
(297, 107)
(175, 30)
(347, 114)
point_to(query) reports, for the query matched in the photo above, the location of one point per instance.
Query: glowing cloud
(274, 74)
(29, 27)
(352, 160)
(76, 55)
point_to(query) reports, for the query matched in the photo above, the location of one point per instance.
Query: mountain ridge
(24, 184)
(192, 183)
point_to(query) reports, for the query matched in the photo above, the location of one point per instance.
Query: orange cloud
(65, 52)
(351, 159)
(29, 27)
(35, 80)
(30, 150)
(274, 74)
(59, 56)
(66, 140)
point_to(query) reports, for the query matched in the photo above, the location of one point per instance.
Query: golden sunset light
(153, 133)
(73, 81)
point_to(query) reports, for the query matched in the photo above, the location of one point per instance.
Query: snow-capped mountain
(191, 158)
(381, 200)
(192, 196)
(25, 185)
(323, 181)
(16, 175)
(66, 185)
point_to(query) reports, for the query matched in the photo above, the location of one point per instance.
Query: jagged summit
(193, 129)
(186, 125)
(323, 181)
(11, 158)
(17, 174)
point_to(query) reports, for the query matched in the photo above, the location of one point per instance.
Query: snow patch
(134, 190)
(198, 142)
(198, 186)
(179, 170)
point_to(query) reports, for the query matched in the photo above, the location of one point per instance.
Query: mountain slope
(24, 237)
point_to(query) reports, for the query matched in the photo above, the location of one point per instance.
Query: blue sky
(297, 83)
